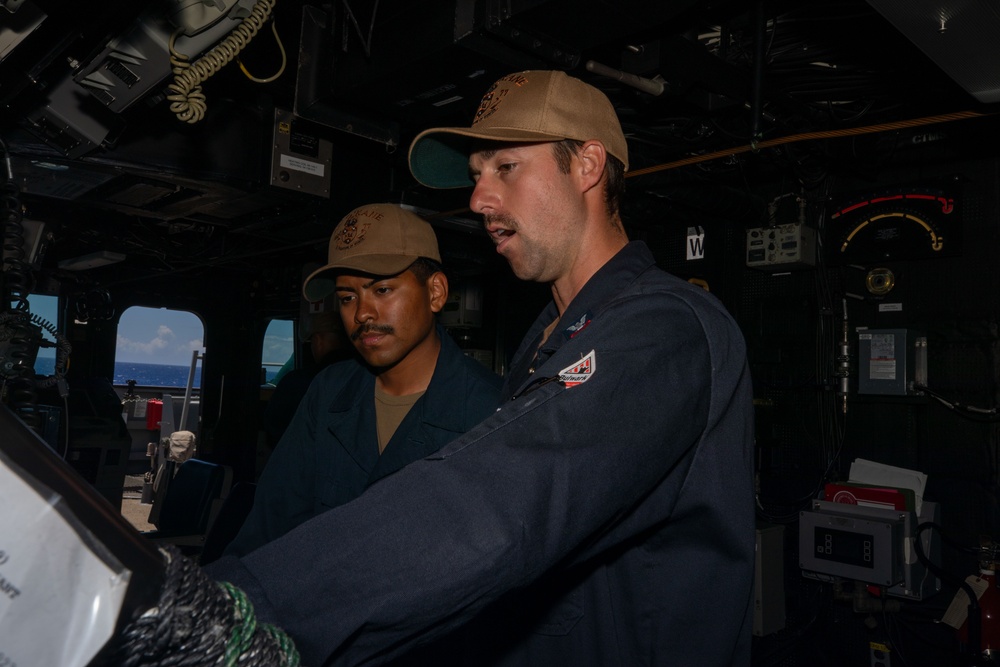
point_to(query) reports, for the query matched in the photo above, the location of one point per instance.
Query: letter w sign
(695, 243)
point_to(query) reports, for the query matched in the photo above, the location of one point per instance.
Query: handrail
(195, 356)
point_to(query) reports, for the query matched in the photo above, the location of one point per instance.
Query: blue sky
(161, 336)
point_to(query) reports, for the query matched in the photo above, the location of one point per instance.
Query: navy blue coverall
(329, 453)
(604, 516)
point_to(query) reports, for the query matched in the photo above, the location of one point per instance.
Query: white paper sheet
(59, 601)
(880, 474)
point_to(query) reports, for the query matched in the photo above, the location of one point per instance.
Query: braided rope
(198, 622)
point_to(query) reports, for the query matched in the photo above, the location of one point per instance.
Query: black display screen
(845, 547)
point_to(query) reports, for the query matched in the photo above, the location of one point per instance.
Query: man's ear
(592, 157)
(437, 286)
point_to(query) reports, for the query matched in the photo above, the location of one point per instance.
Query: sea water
(145, 375)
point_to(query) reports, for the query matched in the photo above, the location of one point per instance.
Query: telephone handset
(186, 98)
(196, 16)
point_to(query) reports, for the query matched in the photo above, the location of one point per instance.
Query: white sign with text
(59, 601)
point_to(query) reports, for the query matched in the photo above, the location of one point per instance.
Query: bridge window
(157, 347)
(278, 355)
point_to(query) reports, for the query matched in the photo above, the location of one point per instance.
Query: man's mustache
(371, 328)
(503, 219)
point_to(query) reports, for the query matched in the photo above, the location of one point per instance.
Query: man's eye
(506, 166)
(346, 298)
(383, 289)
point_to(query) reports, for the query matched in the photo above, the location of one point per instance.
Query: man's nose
(483, 198)
(366, 311)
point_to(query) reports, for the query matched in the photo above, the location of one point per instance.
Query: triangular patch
(579, 372)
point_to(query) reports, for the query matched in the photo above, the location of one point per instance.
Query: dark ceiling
(716, 98)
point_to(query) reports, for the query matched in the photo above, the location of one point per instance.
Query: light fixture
(94, 259)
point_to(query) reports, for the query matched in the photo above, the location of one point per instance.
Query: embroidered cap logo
(352, 234)
(490, 104)
(491, 101)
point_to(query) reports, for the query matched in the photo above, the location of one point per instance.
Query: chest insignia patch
(579, 372)
(578, 326)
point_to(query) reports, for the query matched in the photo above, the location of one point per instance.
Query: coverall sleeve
(556, 476)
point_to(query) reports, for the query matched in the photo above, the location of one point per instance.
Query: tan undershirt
(389, 412)
(548, 332)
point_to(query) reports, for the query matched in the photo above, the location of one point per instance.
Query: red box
(870, 496)
(154, 413)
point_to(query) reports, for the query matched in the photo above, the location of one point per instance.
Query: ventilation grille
(122, 73)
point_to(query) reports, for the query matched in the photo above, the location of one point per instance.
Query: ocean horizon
(145, 375)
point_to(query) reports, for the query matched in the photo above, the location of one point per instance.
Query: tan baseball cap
(530, 106)
(377, 239)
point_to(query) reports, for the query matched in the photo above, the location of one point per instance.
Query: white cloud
(162, 341)
(277, 349)
(158, 336)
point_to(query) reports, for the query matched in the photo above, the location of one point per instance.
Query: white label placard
(59, 601)
(298, 164)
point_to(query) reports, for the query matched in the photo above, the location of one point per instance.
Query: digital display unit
(853, 542)
(845, 547)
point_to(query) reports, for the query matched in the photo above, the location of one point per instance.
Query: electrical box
(299, 159)
(872, 545)
(853, 541)
(891, 362)
(781, 248)
(68, 123)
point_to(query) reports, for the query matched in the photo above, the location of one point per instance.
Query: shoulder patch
(579, 372)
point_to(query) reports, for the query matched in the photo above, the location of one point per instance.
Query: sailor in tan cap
(395, 401)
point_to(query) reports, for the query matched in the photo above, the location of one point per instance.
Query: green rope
(243, 632)
(242, 635)
(284, 643)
